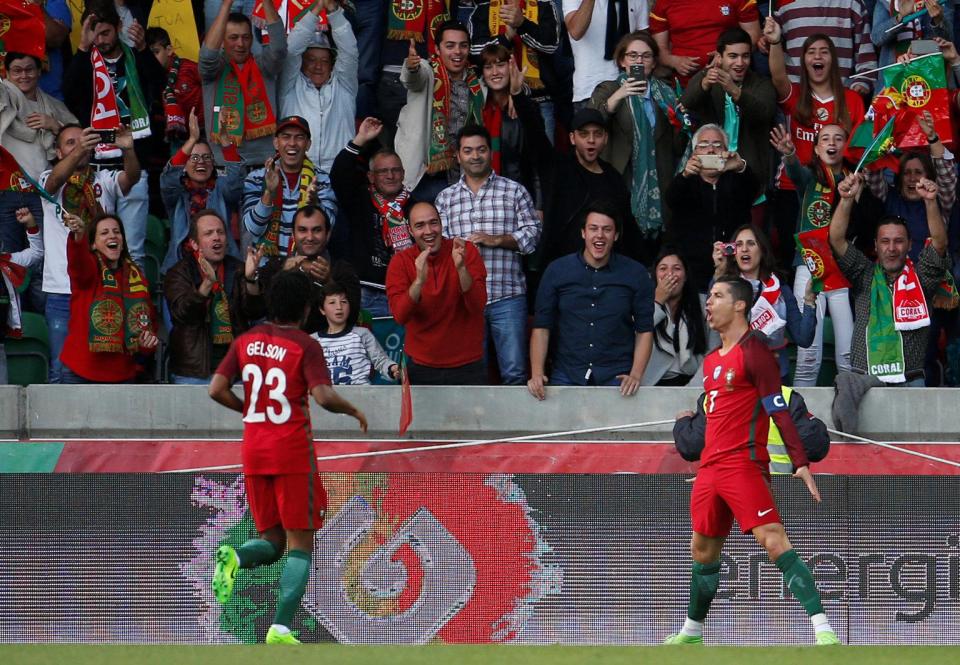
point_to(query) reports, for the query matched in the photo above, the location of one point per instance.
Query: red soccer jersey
(803, 135)
(279, 366)
(695, 25)
(743, 393)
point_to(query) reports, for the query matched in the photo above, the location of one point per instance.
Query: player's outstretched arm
(328, 398)
(220, 392)
(803, 473)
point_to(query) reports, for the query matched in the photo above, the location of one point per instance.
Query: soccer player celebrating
(733, 480)
(280, 366)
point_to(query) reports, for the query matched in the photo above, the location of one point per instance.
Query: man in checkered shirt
(498, 216)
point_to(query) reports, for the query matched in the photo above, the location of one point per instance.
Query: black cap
(587, 116)
(293, 121)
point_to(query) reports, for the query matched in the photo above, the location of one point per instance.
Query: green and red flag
(879, 151)
(815, 252)
(22, 30)
(922, 84)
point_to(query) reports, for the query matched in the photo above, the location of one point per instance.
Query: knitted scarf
(198, 193)
(119, 314)
(393, 223)
(416, 19)
(440, 156)
(763, 314)
(246, 109)
(526, 56)
(221, 330)
(271, 238)
(893, 310)
(135, 104)
(176, 119)
(79, 195)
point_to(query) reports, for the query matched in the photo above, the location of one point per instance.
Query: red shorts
(722, 493)
(293, 501)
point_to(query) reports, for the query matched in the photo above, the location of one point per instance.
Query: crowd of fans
(541, 192)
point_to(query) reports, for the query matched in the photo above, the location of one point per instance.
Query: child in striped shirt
(351, 352)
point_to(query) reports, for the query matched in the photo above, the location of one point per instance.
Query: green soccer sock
(293, 582)
(704, 581)
(258, 552)
(800, 581)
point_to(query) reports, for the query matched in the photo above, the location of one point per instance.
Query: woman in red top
(112, 318)
(818, 100)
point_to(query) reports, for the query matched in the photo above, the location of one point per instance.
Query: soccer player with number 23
(742, 382)
(281, 367)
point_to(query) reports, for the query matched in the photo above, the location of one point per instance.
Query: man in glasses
(368, 183)
(189, 183)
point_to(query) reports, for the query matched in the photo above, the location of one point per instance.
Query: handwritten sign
(176, 17)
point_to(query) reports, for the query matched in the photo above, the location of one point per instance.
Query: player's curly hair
(288, 297)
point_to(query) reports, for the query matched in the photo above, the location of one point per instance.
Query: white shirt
(590, 69)
(55, 277)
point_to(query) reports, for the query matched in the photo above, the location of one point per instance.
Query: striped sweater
(352, 354)
(846, 22)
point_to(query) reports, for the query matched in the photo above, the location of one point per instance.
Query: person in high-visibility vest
(690, 429)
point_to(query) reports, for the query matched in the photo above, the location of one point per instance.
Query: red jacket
(444, 329)
(84, 283)
(188, 89)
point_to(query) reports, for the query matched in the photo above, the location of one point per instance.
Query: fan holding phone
(644, 144)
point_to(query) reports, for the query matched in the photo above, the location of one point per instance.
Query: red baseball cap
(293, 121)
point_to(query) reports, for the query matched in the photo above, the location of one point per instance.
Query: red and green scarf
(493, 121)
(175, 116)
(79, 195)
(221, 330)
(416, 19)
(271, 238)
(441, 156)
(245, 103)
(119, 314)
(199, 193)
(393, 223)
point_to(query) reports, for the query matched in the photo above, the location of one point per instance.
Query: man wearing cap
(243, 84)
(576, 181)
(322, 85)
(288, 181)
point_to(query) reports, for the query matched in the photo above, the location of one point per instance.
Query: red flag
(290, 12)
(816, 254)
(12, 178)
(105, 115)
(22, 29)
(406, 400)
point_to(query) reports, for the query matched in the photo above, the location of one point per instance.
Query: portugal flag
(815, 252)
(922, 84)
(22, 29)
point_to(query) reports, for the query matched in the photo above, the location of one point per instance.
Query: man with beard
(374, 203)
(309, 255)
(744, 104)
(289, 181)
(212, 298)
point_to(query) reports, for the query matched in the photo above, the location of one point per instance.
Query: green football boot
(680, 638)
(226, 569)
(274, 636)
(826, 638)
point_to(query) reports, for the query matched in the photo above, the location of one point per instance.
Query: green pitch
(70, 654)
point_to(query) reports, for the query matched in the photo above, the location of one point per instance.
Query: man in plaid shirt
(498, 216)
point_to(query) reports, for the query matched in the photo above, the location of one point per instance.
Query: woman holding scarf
(645, 122)
(112, 318)
(775, 311)
(189, 183)
(816, 185)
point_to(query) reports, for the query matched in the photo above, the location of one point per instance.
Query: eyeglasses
(196, 159)
(706, 145)
(395, 170)
(634, 56)
(17, 71)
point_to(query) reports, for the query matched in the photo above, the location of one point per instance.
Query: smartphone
(637, 73)
(107, 135)
(923, 47)
(714, 162)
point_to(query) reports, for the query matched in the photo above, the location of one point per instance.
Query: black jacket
(341, 272)
(689, 432)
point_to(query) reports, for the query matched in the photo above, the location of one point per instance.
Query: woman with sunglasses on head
(817, 100)
(775, 311)
(816, 185)
(644, 144)
(189, 183)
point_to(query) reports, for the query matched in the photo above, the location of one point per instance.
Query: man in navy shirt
(600, 307)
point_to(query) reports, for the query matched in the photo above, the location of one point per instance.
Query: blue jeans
(68, 376)
(57, 313)
(188, 380)
(548, 113)
(370, 27)
(374, 301)
(132, 211)
(507, 326)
